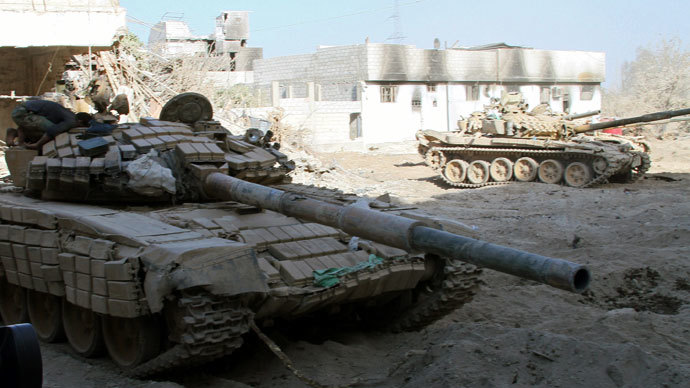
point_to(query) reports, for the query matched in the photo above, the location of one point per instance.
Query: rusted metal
(402, 232)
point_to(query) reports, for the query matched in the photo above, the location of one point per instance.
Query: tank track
(213, 327)
(614, 163)
(638, 172)
(459, 284)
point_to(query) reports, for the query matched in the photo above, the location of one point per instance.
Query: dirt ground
(629, 330)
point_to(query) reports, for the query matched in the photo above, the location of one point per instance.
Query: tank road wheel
(456, 171)
(46, 315)
(131, 341)
(525, 169)
(435, 159)
(478, 172)
(599, 165)
(577, 174)
(550, 171)
(501, 170)
(13, 303)
(83, 330)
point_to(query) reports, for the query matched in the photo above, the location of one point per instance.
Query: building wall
(60, 23)
(445, 85)
(441, 108)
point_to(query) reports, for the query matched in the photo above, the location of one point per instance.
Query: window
(431, 88)
(586, 92)
(416, 104)
(513, 88)
(545, 95)
(472, 92)
(388, 93)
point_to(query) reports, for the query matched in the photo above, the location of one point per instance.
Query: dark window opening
(472, 92)
(586, 92)
(388, 93)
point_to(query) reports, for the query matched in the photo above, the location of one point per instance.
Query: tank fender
(220, 266)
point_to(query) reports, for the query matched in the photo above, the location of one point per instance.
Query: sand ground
(629, 330)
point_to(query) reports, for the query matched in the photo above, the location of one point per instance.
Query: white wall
(84, 27)
(393, 122)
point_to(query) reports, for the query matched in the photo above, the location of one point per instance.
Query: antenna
(397, 36)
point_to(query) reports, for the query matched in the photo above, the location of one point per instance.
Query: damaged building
(353, 96)
(32, 59)
(173, 37)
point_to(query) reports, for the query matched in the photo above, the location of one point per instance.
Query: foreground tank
(169, 286)
(508, 144)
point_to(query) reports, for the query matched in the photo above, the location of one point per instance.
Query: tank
(505, 144)
(171, 238)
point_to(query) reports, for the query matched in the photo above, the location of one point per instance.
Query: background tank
(506, 143)
(172, 286)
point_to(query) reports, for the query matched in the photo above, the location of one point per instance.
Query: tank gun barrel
(582, 115)
(632, 120)
(402, 232)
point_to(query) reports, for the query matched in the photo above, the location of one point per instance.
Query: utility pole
(397, 36)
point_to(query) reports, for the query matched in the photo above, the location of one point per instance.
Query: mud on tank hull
(178, 286)
(476, 161)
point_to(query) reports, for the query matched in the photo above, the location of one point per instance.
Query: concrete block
(9, 263)
(143, 146)
(66, 261)
(99, 304)
(34, 254)
(4, 232)
(97, 166)
(69, 278)
(83, 281)
(101, 249)
(6, 213)
(124, 308)
(187, 152)
(71, 294)
(36, 270)
(124, 290)
(25, 280)
(56, 288)
(82, 264)
(23, 266)
(33, 237)
(62, 140)
(16, 234)
(81, 245)
(49, 239)
(51, 273)
(40, 285)
(12, 277)
(98, 268)
(99, 286)
(121, 270)
(6, 249)
(50, 256)
(83, 299)
(19, 251)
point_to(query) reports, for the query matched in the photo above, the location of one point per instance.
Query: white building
(354, 96)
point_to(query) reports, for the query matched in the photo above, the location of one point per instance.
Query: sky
(282, 27)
